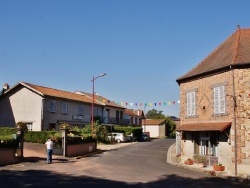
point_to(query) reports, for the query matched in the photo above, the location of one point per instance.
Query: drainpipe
(234, 120)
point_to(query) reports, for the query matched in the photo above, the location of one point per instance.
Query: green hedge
(79, 140)
(137, 131)
(6, 138)
(7, 131)
(8, 142)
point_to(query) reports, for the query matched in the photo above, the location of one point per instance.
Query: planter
(201, 165)
(189, 162)
(219, 168)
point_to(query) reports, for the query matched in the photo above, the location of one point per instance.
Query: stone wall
(204, 113)
(8, 156)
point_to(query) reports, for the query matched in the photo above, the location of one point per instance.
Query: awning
(211, 126)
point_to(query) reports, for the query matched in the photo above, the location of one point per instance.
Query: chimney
(6, 86)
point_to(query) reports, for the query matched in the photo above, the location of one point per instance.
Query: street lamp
(93, 100)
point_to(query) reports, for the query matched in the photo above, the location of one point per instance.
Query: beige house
(135, 117)
(155, 127)
(215, 106)
(43, 108)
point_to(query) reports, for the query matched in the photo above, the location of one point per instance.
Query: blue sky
(142, 45)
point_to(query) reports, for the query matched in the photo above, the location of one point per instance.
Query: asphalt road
(141, 165)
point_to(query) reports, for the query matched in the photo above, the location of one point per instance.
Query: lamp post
(93, 100)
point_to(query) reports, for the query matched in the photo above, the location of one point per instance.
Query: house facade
(43, 108)
(214, 107)
(155, 127)
(112, 113)
(135, 117)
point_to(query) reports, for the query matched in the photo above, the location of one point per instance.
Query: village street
(139, 164)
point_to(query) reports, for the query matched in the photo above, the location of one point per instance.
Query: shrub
(78, 140)
(8, 142)
(7, 131)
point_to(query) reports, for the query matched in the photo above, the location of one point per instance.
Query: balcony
(117, 121)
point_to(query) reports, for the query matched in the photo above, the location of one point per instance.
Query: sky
(143, 46)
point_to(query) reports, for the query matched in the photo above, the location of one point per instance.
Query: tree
(170, 126)
(155, 114)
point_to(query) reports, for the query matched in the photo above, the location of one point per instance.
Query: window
(29, 126)
(81, 107)
(191, 103)
(52, 106)
(65, 108)
(219, 100)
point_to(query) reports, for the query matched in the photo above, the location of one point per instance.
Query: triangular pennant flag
(131, 104)
(165, 103)
(178, 101)
(136, 104)
(155, 103)
(126, 103)
(159, 103)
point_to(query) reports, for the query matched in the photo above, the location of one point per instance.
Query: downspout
(235, 105)
(234, 120)
(42, 121)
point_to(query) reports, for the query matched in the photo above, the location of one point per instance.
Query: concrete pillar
(65, 131)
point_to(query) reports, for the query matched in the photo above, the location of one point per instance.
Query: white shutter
(219, 100)
(222, 100)
(216, 100)
(188, 104)
(192, 103)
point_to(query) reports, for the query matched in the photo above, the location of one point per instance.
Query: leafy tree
(155, 114)
(170, 126)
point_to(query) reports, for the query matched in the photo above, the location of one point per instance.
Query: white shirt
(49, 144)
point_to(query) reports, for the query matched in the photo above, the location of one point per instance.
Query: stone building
(215, 106)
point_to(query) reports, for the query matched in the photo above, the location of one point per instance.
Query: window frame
(65, 108)
(52, 106)
(219, 98)
(81, 110)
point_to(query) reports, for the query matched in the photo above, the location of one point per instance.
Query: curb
(205, 171)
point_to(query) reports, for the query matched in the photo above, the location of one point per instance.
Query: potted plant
(219, 167)
(189, 161)
(200, 160)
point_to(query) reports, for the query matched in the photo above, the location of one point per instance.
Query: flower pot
(219, 168)
(189, 162)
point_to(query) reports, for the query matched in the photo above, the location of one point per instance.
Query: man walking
(49, 144)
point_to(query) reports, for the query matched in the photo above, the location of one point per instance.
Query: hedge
(137, 131)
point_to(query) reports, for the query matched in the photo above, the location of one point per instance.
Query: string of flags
(144, 104)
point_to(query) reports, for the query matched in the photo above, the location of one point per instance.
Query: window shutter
(188, 104)
(222, 100)
(216, 100)
(192, 103)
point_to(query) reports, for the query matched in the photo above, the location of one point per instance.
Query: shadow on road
(41, 178)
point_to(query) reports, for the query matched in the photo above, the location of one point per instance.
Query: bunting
(143, 104)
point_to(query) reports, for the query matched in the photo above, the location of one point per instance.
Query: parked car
(117, 137)
(145, 137)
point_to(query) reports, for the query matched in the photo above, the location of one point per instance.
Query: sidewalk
(173, 160)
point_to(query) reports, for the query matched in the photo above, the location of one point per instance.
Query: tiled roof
(153, 122)
(58, 93)
(211, 126)
(234, 51)
(131, 112)
(101, 99)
